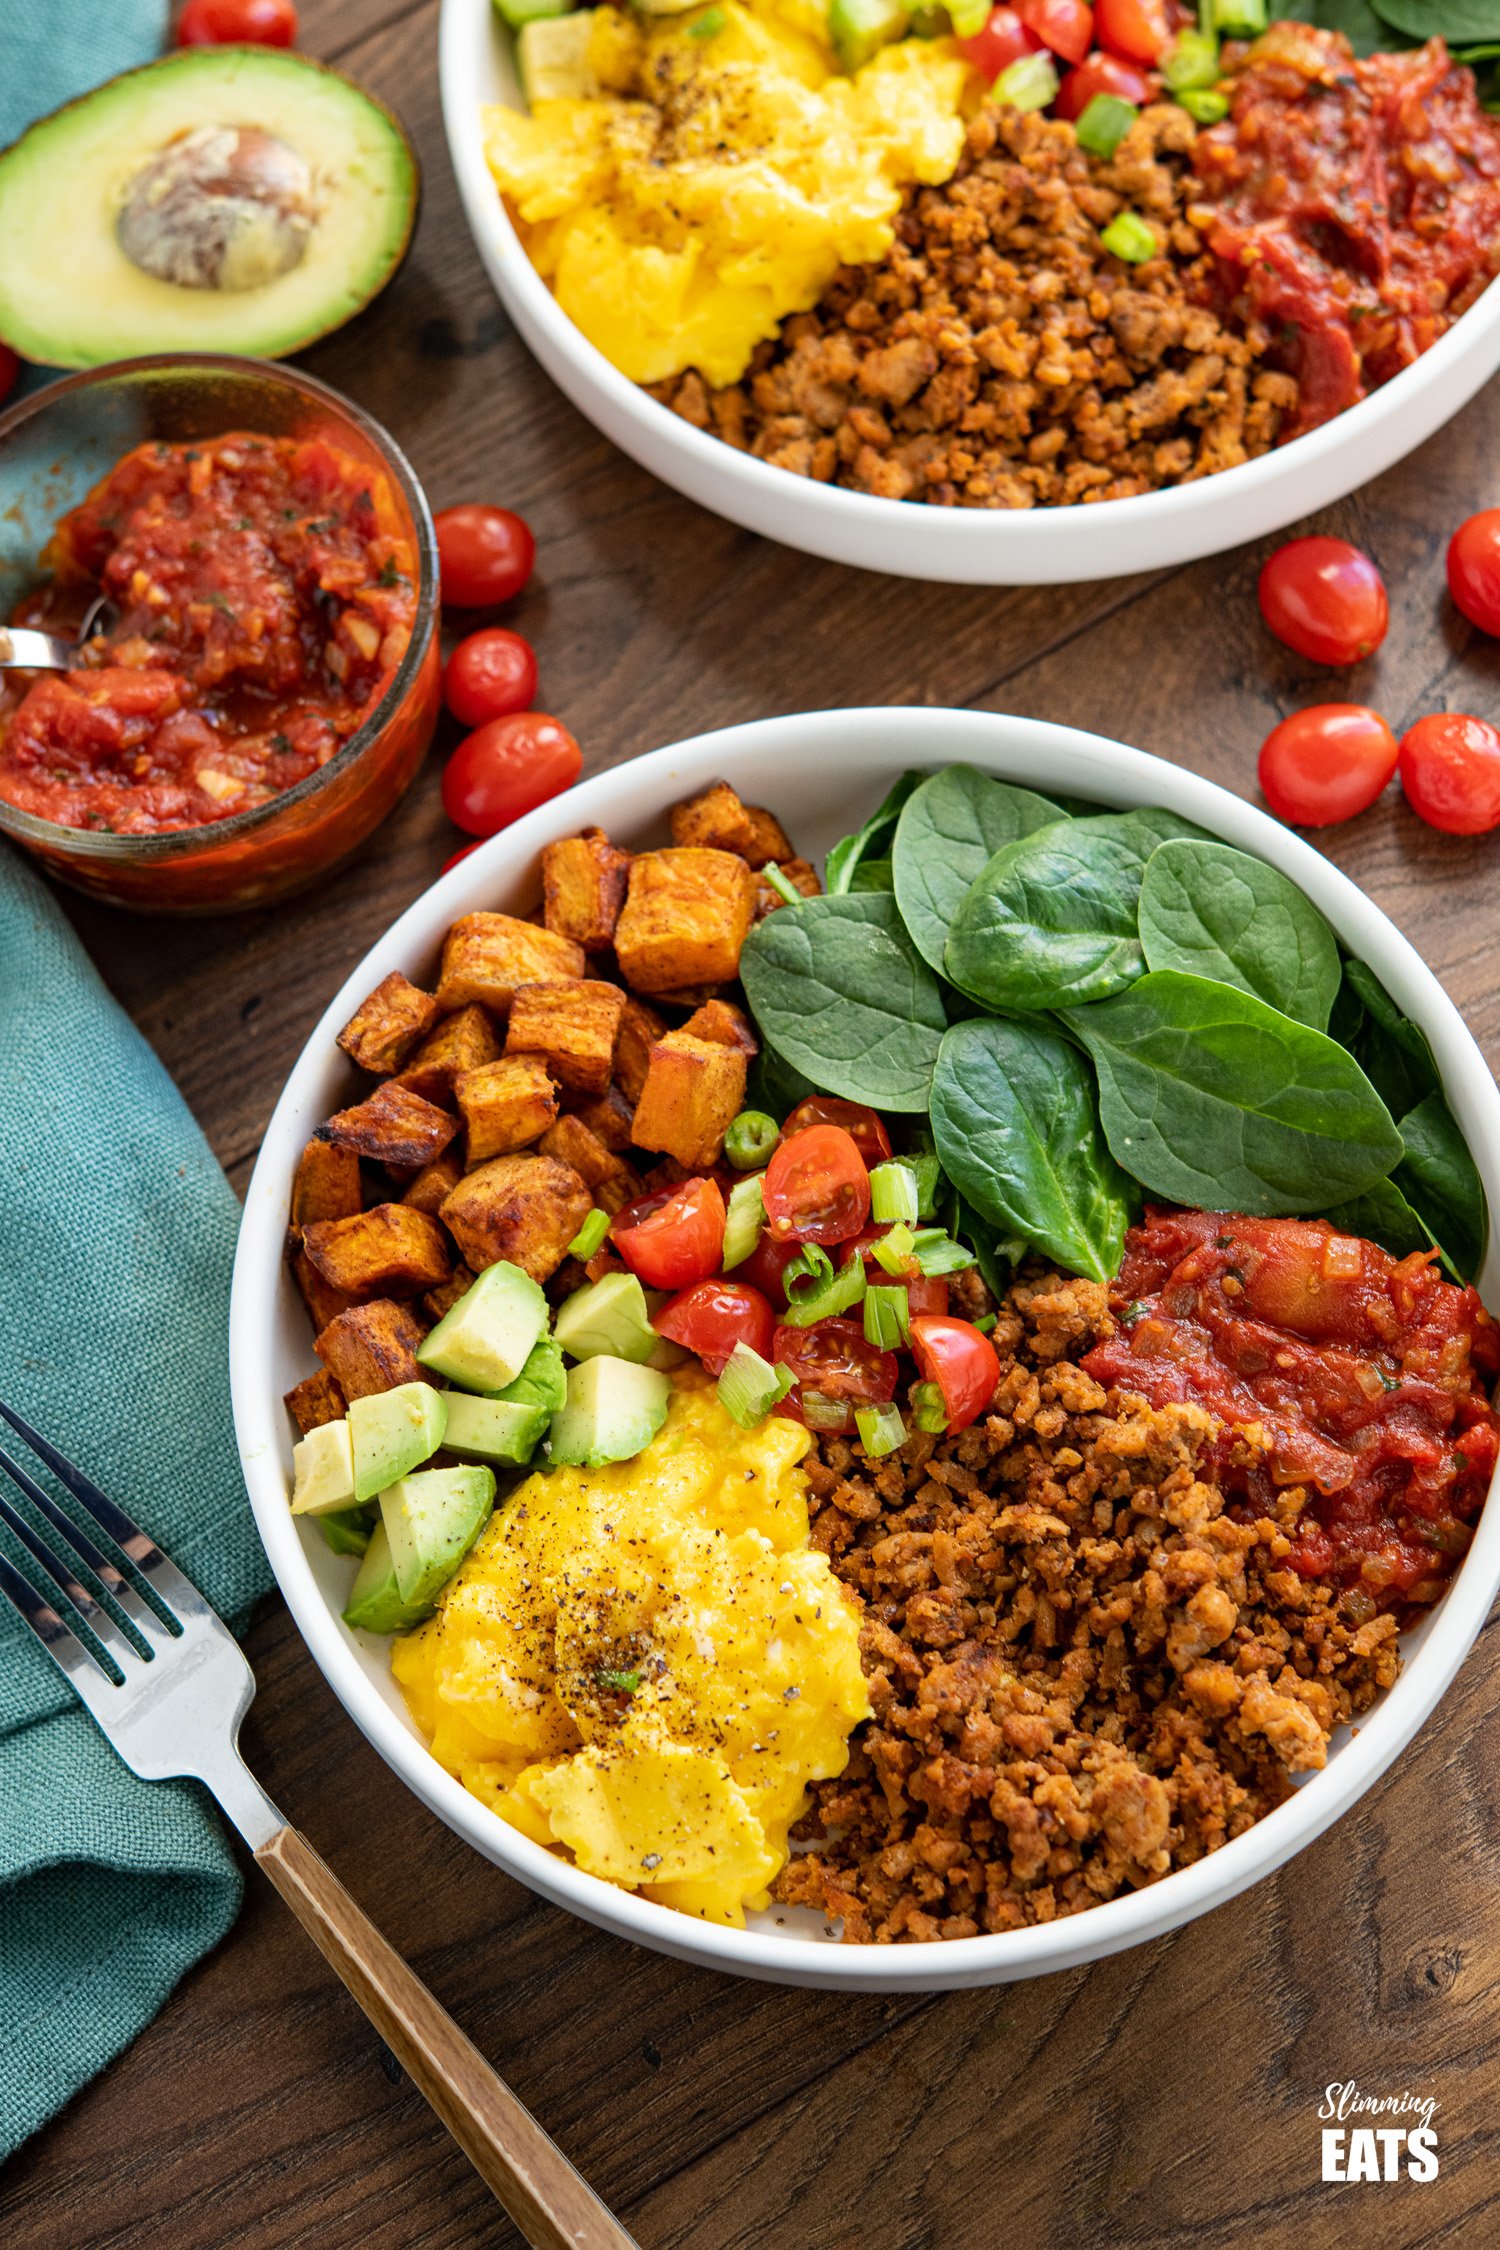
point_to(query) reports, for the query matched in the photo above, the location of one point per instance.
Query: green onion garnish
(932, 1414)
(1127, 236)
(708, 26)
(1105, 123)
(830, 1290)
(929, 1177)
(750, 1386)
(880, 1428)
(893, 1192)
(1242, 19)
(1030, 82)
(1205, 104)
(937, 1253)
(820, 1412)
(772, 874)
(745, 1220)
(1193, 62)
(751, 1140)
(968, 17)
(589, 1236)
(887, 1315)
(893, 1251)
(986, 1323)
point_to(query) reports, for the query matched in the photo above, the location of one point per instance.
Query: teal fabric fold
(51, 50)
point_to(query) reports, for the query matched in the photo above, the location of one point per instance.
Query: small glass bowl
(54, 447)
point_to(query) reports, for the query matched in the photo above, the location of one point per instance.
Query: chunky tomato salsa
(1356, 207)
(1334, 1367)
(265, 593)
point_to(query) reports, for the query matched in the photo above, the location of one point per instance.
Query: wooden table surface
(1169, 2093)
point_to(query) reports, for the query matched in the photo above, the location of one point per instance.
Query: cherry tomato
(486, 555)
(1003, 41)
(1324, 599)
(925, 1293)
(1066, 26)
(10, 368)
(675, 1241)
(237, 23)
(1101, 74)
(835, 1360)
(1450, 770)
(713, 1316)
(817, 1186)
(863, 1126)
(1327, 763)
(767, 1263)
(963, 1363)
(489, 675)
(462, 853)
(1137, 30)
(508, 768)
(1473, 566)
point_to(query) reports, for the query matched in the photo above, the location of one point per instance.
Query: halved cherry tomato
(863, 1126)
(1066, 26)
(1327, 763)
(1101, 74)
(963, 1363)
(1473, 565)
(836, 1360)
(237, 23)
(767, 1263)
(713, 1316)
(1003, 41)
(817, 1186)
(675, 1241)
(1450, 770)
(508, 768)
(1135, 29)
(10, 368)
(1325, 599)
(490, 674)
(486, 554)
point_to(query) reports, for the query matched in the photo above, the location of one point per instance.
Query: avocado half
(224, 199)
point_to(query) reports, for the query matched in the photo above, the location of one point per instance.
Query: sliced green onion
(893, 1251)
(708, 26)
(772, 874)
(1193, 62)
(986, 1323)
(820, 1412)
(968, 17)
(1127, 236)
(929, 1178)
(1205, 104)
(828, 1293)
(1105, 123)
(589, 1236)
(750, 1142)
(893, 1192)
(887, 1315)
(750, 1386)
(1241, 19)
(1030, 82)
(880, 1428)
(937, 1253)
(745, 1220)
(931, 1413)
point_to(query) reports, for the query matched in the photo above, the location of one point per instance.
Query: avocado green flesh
(75, 299)
(375, 1603)
(614, 1409)
(608, 1316)
(431, 1520)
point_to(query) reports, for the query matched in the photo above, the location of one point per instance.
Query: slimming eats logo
(1382, 2151)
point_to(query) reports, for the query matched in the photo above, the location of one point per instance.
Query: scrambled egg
(714, 185)
(646, 1664)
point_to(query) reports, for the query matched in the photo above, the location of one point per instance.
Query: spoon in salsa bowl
(22, 649)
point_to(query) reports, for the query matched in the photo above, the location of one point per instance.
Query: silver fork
(169, 1694)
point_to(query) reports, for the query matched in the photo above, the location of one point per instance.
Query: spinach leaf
(774, 1086)
(1356, 19)
(872, 875)
(1347, 1017)
(1212, 1098)
(1390, 1049)
(842, 994)
(948, 832)
(998, 1255)
(1015, 1125)
(1440, 1180)
(1217, 913)
(870, 842)
(1382, 1214)
(1051, 919)
(1460, 22)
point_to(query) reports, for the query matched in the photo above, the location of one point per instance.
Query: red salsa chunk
(266, 592)
(1330, 1365)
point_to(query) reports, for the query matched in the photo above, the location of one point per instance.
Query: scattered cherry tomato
(1101, 74)
(486, 555)
(1003, 41)
(1066, 26)
(835, 1360)
(817, 1186)
(507, 768)
(1325, 599)
(674, 1242)
(237, 23)
(767, 1263)
(863, 1126)
(490, 674)
(1137, 30)
(1326, 764)
(713, 1316)
(461, 854)
(1450, 770)
(10, 368)
(961, 1361)
(1473, 567)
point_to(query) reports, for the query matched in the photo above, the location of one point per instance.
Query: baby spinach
(948, 832)
(842, 994)
(872, 842)
(1212, 1098)
(1389, 1047)
(1382, 1214)
(1461, 22)
(1441, 1182)
(1356, 19)
(1014, 1121)
(1214, 912)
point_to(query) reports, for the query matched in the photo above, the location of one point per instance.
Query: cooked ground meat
(1083, 1672)
(999, 356)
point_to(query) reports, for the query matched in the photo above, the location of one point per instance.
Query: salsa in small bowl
(264, 682)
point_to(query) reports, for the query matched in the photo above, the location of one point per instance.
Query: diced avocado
(553, 54)
(323, 1470)
(542, 1381)
(375, 1601)
(493, 1429)
(483, 1342)
(609, 1316)
(431, 1521)
(517, 13)
(860, 28)
(667, 1355)
(348, 1530)
(614, 1408)
(393, 1433)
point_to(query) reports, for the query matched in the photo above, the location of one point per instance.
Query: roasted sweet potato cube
(725, 1025)
(572, 1027)
(394, 1126)
(384, 1028)
(436, 1180)
(322, 1300)
(613, 1194)
(486, 956)
(506, 1104)
(392, 1251)
(466, 1040)
(608, 1119)
(685, 917)
(446, 1295)
(316, 1400)
(524, 1208)
(768, 839)
(693, 1089)
(327, 1185)
(718, 821)
(572, 1142)
(640, 1028)
(802, 876)
(372, 1348)
(583, 888)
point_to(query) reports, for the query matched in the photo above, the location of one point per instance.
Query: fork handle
(551, 2203)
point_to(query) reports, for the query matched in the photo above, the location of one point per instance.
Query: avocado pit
(226, 207)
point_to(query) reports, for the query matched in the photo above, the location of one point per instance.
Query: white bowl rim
(1086, 764)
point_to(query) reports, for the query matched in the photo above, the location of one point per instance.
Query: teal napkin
(54, 49)
(116, 1239)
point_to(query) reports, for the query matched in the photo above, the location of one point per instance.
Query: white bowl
(968, 546)
(820, 772)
